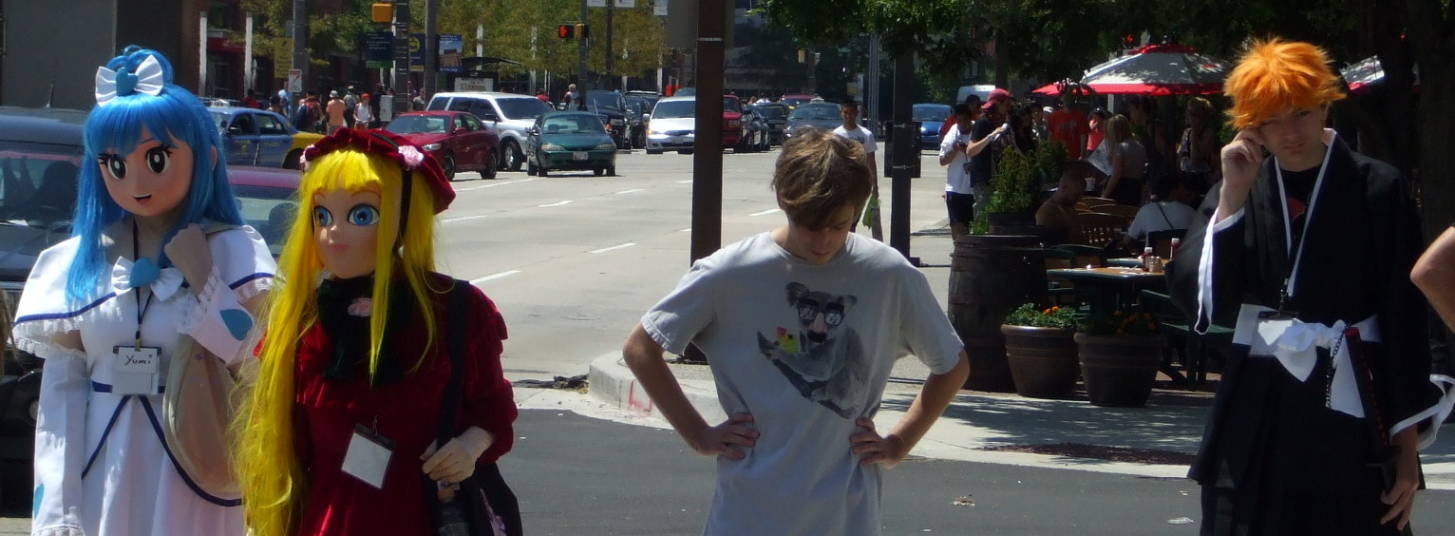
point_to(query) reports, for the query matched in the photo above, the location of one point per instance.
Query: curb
(613, 383)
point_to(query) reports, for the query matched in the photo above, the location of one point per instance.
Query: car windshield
(572, 124)
(606, 100)
(270, 210)
(931, 112)
(37, 198)
(522, 107)
(815, 112)
(674, 109)
(414, 124)
(730, 104)
(773, 111)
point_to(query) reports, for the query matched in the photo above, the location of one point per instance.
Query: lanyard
(1308, 216)
(141, 310)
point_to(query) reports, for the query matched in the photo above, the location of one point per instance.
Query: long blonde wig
(272, 480)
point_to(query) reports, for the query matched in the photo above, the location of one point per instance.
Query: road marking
(688, 181)
(631, 191)
(463, 218)
(687, 230)
(493, 277)
(494, 184)
(613, 248)
(556, 204)
(766, 212)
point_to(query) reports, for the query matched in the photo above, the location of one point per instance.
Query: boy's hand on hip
(727, 439)
(873, 448)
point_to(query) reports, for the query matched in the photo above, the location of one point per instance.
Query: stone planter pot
(1119, 370)
(1043, 361)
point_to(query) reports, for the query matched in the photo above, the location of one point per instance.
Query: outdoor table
(1106, 288)
(1125, 262)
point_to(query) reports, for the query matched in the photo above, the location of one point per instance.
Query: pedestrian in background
(801, 326)
(849, 112)
(336, 111)
(973, 101)
(992, 125)
(1312, 431)
(1128, 162)
(1197, 152)
(363, 114)
(351, 104)
(956, 150)
(1068, 125)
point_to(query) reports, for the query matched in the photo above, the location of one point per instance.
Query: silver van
(508, 114)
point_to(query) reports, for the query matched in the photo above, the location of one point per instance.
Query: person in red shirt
(359, 360)
(1068, 126)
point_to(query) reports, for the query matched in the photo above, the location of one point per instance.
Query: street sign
(295, 80)
(416, 53)
(451, 50)
(595, 3)
(474, 84)
(627, 4)
(378, 49)
(659, 8)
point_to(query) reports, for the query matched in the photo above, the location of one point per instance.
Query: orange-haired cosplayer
(363, 337)
(1306, 241)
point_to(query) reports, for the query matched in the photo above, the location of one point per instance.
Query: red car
(732, 121)
(458, 139)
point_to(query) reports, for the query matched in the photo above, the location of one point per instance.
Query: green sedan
(562, 141)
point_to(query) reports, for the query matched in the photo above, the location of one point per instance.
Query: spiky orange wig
(1276, 75)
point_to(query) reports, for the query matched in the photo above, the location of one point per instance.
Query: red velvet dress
(407, 411)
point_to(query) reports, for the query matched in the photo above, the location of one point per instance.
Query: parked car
(254, 137)
(610, 106)
(458, 139)
(792, 101)
(672, 125)
(776, 116)
(732, 121)
(508, 114)
(569, 141)
(814, 115)
(650, 96)
(40, 159)
(685, 92)
(931, 116)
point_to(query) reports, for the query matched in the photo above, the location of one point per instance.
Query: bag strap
(452, 400)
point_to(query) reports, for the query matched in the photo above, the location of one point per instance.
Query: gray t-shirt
(859, 134)
(806, 349)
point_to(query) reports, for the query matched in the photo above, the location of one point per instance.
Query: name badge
(368, 456)
(134, 370)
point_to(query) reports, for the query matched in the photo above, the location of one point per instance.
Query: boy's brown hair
(819, 173)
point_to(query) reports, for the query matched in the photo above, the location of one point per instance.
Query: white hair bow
(148, 79)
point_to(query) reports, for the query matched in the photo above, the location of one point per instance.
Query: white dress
(102, 466)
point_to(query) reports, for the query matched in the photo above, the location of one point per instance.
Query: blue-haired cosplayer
(142, 316)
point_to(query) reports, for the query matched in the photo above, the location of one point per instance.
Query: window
(483, 110)
(673, 109)
(242, 125)
(521, 107)
(461, 104)
(270, 126)
(413, 124)
(460, 126)
(573, 124)
(473, 123)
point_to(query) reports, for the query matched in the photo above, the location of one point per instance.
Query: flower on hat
(411, 156)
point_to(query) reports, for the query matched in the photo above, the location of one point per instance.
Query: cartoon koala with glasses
(823, 358)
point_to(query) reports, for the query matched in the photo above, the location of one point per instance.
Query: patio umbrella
(1154, 70)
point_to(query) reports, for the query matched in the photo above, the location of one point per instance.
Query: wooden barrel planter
(1014, 223)
(1119, 370)
(991, 275)
(1042, 360)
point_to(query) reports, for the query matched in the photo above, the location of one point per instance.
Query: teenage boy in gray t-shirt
(801, 326)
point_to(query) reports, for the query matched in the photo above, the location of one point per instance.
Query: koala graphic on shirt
(822, 357)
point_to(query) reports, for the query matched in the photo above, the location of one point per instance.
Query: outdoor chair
(1126, 211)
(1194, 349)
(1100, 229)
(1091, 201)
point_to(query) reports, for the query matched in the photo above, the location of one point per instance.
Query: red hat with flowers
(411, 158)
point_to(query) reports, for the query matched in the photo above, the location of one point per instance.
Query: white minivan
(508, 114)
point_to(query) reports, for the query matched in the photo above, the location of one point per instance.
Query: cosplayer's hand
(873, 448)
(1241, 159)
(1401, 496)
(188, 251)
(727, 439)
(456, 460)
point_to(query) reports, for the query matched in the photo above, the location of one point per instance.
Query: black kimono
(1275, 458)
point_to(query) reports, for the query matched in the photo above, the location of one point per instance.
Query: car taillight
(734, 123)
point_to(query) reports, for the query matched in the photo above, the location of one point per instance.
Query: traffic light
(566, 31)
(381, 12)
(583, 31)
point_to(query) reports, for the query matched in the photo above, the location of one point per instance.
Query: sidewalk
(1157, 441)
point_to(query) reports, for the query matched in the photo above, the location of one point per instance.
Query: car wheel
(291, 161)
(541, 171)
(488, 171)
(654, 151)
(611, 171)
(513, 157)
(448, 163)
(598, 172)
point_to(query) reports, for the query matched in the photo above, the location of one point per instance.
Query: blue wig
(175, 116)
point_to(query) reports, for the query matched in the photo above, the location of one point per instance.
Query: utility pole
(903, 153)
(300, 40)
(707, 149)
(610, 6)
(431, 49)
(581, 50)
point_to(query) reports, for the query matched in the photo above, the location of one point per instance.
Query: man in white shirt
(956, 149)
(1167, 211)
(849, 111)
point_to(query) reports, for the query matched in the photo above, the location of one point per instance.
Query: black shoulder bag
(484, 505)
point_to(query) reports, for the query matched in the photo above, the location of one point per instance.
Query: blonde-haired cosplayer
(1326, 395)
(357, 356)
